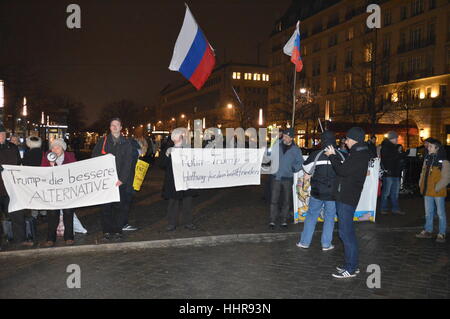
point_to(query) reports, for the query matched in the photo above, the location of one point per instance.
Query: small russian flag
(292, 48)
(193, 56)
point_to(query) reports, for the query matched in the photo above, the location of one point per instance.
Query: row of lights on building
(251, 76)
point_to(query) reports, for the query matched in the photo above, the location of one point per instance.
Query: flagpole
(294, 97)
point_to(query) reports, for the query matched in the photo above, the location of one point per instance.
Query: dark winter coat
(135, 156)
(168, 190)
(351, 174)
(123, 152)
(391, 159)
(324, 177)
(9, 155)
(69, 157)
(32, 157)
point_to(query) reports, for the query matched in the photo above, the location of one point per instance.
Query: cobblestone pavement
(239, 210)
(410, 268)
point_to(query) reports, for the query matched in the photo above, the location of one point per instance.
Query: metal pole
(294, 97)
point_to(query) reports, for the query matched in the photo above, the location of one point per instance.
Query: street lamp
(2, 94)
(261, 120)
(24, 110)
(230, 106)
(302, 90)
(183, 116)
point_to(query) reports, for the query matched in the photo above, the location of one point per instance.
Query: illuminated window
(348, 81)
(256, 77)
(247, 76)
(265, 77)
(368, 52)
(350, 34)
(236, 75)
(369, 77)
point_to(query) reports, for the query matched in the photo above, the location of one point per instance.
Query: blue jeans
(431, 203)
(391, 188)
(347, 233)
(315, 206)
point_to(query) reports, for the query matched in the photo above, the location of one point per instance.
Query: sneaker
(399, 212)
(328, 248)
(272, 226)
(117, 236)
(299, 245)
(70, 242)
(171, 228)
(424, 234)
(284, 225)
(190, 227)
(342, 269)
(129, 228)
(344, 275)
(440, 238)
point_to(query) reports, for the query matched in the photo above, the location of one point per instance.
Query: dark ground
(411, 268)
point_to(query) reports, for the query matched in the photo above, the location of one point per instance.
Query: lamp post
(2, 99)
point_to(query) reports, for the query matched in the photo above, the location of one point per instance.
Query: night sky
(124, 46)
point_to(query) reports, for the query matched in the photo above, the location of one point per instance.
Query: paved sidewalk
(239, 210)
(410, 268)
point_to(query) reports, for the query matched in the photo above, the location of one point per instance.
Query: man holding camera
(351, 175)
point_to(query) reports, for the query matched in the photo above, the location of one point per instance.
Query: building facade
(216, 103)
(396, 76)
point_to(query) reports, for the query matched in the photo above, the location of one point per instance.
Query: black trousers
(53, 222)
(17, 219)
(128, 200)
(113, 214)
(281, 191)
(179, 207)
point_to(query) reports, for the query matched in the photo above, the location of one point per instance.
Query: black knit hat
(356, 134)
(289, 132)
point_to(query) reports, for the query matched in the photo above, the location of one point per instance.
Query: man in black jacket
(351, 175)
(9, 155)
(116, 144)
(391, 159)
(319, 170)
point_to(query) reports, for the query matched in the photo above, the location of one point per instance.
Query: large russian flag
(193, 56)
(292, 48)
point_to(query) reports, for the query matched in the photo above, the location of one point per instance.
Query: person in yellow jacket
(433, 186)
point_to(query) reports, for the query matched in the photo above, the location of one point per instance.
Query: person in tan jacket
(433, 186)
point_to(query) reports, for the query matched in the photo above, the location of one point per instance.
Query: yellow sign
(140, 172)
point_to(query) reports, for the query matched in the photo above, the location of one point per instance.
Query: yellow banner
(140, 172)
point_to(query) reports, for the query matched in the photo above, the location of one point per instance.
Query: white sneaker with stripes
(343, 275)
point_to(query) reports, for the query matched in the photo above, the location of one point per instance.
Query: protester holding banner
(180, 203)
(59, 147)
(351, 175)
(9, 155)
(136, 153)
(290, 162)
(33, 157)
(319, 170)
(119, 146)
(433, 186)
